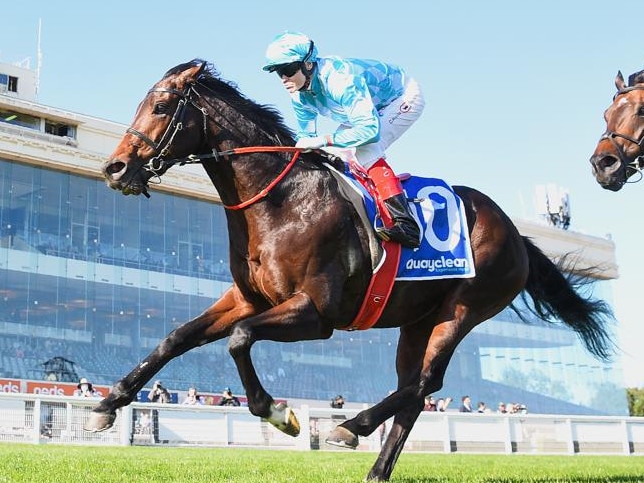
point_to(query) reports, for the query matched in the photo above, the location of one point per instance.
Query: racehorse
(618, 155)
(300, 258)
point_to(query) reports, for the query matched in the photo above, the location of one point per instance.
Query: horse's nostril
(606, 162)
(115, 167)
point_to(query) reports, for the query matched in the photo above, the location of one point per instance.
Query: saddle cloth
(445, 250)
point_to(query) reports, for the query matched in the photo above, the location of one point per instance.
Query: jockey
(374, 102)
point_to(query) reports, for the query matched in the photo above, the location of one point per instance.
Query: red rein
(265, 149)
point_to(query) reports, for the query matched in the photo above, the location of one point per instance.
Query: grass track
(62, 464)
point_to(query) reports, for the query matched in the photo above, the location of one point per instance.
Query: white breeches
(395, 119)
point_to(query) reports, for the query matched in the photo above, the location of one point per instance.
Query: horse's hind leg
(417, 378)
(211, 325)
(421, 362)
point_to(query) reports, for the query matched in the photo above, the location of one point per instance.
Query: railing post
(35, 435)
(509, 426)
(68, 420)
(228, 426)
(625, 442)
(125, 416)
(571, 436)
(447, 435)
(303, 441)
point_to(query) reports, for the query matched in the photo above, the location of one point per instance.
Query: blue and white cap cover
(290, 47)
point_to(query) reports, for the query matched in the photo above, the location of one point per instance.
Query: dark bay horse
(619, 153)
(300, 260)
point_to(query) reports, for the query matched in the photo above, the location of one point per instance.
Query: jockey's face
(295, 82)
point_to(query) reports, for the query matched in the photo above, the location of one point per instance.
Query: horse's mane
(267, 118)
(636, 78)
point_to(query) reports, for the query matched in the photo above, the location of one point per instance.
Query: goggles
(288, 70)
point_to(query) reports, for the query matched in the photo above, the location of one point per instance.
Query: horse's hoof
(342, 438)
(283, 418)
(375, 478)
(98, 422)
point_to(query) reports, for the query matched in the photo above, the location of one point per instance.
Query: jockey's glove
(316, 142)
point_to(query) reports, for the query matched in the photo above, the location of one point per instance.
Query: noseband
(636, 164)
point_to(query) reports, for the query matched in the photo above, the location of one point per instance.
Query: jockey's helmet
(289, 47)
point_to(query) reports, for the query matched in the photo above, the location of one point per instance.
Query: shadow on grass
(531, 479)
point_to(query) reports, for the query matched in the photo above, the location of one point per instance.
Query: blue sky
(515, 90)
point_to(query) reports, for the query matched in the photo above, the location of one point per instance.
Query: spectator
(159, 394)
(513, 408)
(85, 389)
(466, 405)
(338, 402)
(502, 409)
(227, 399)
(442, 403)
(482, 408)
(143, 422)
(192, 399)
(430, 404)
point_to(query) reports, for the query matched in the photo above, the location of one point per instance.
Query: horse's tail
(555, 294)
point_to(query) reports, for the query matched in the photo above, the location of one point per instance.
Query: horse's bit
(636, 164)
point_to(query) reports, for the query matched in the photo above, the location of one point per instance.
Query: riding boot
(404, 229)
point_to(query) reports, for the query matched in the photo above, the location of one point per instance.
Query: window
(32, 122)
(8, 83)
(59, 129)
(12, 85)
(19, 118)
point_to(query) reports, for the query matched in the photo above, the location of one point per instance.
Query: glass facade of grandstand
(100, 278)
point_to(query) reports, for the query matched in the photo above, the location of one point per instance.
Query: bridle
(162, 147)
(157, 165)
(634, 166)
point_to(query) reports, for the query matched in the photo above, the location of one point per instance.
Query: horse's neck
(237, 177)
(240, 177)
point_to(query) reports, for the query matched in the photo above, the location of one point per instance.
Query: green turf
(62, 464)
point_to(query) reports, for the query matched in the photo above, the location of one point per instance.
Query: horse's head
(618, 155)
(164, 127)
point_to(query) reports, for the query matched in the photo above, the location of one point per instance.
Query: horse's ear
(191, 74)
(619, 81)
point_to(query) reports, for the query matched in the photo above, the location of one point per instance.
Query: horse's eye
(160, 108)
(640, 111)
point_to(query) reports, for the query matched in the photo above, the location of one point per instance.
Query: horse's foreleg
(294, 320)
(211, 325)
